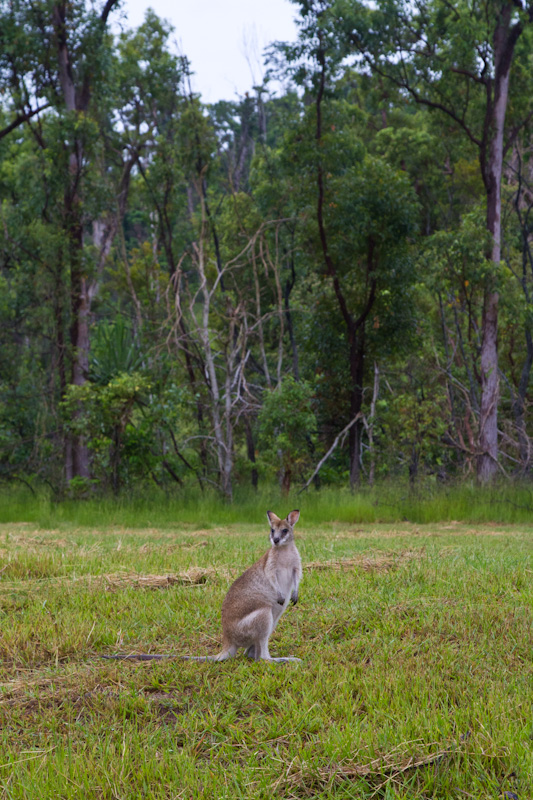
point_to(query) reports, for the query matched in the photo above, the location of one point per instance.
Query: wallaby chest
(283, 567)
(285, 577)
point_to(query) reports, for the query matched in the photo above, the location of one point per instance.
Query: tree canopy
(338, 274)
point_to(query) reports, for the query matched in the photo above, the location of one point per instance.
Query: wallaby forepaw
(294, 599)
(281, 601)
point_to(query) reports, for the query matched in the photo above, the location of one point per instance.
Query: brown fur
(257, 599)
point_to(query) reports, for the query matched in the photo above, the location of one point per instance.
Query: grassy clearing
(416, 677)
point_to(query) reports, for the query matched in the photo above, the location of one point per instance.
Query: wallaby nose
(275, 539)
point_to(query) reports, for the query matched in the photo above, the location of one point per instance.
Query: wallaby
(257, 599)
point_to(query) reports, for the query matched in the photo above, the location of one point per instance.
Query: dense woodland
(338, 275)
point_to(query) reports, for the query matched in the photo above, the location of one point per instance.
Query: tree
(62, 56)
(363, 211)
(286, 422)
(456, 59)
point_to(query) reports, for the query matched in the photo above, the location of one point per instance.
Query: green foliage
(189, 244)
(113, 351)
(287, 427)
(107, 416)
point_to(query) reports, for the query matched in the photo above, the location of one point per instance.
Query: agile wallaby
(257, 599)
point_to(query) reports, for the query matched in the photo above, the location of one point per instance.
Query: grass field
(416, 679)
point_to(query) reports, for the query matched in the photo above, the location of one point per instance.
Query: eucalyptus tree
(54, 61)
(468, 62)
(519, 258)
(356, 212)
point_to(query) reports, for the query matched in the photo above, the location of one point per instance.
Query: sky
(223, 39)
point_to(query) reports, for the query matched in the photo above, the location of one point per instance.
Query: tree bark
(519, 407)
(504, 40)
(519, 399)
(76, 100)
(289, 285)
(357, 361)
(250, 450)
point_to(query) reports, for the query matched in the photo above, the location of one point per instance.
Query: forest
(329, 283)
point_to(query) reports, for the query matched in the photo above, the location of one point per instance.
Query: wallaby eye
(271, 530)
(285, 530)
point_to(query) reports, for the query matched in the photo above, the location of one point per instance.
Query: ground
(415, 680)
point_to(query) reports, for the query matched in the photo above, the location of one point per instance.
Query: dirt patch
(33, 541)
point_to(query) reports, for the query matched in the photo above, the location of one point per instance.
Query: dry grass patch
(191, 577)
(195, 576)
(376, 563)
(393, 768)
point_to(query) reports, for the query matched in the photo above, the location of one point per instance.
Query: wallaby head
(281, 530)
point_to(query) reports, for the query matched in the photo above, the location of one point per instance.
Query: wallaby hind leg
(256, 628)
(228, 652)
(261, 650)
(263, 654)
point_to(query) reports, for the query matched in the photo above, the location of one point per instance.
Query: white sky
(223, 39)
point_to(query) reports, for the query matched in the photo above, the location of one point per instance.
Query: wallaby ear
(293, 517)
(272, 518)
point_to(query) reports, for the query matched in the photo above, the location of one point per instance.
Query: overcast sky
(223, 39)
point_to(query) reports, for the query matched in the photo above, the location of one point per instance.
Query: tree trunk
(79, 330)
(286, 479)
(220, 407)
(355, 327)
(504, 41)
(250, 450)
(289, 285)
(487, 465)
(357, 359)
(523, 204)
(371, 424)
(77, 454)
(519, 407)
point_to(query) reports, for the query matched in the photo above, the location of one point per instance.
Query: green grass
(388, 502)
(415, 681)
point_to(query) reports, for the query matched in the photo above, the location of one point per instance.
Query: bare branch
(21, 118)
(337, 439)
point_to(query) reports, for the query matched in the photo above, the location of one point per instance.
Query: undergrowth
(425, 503)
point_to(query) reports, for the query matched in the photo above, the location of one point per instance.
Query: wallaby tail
(225, 654)
(138, 657)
